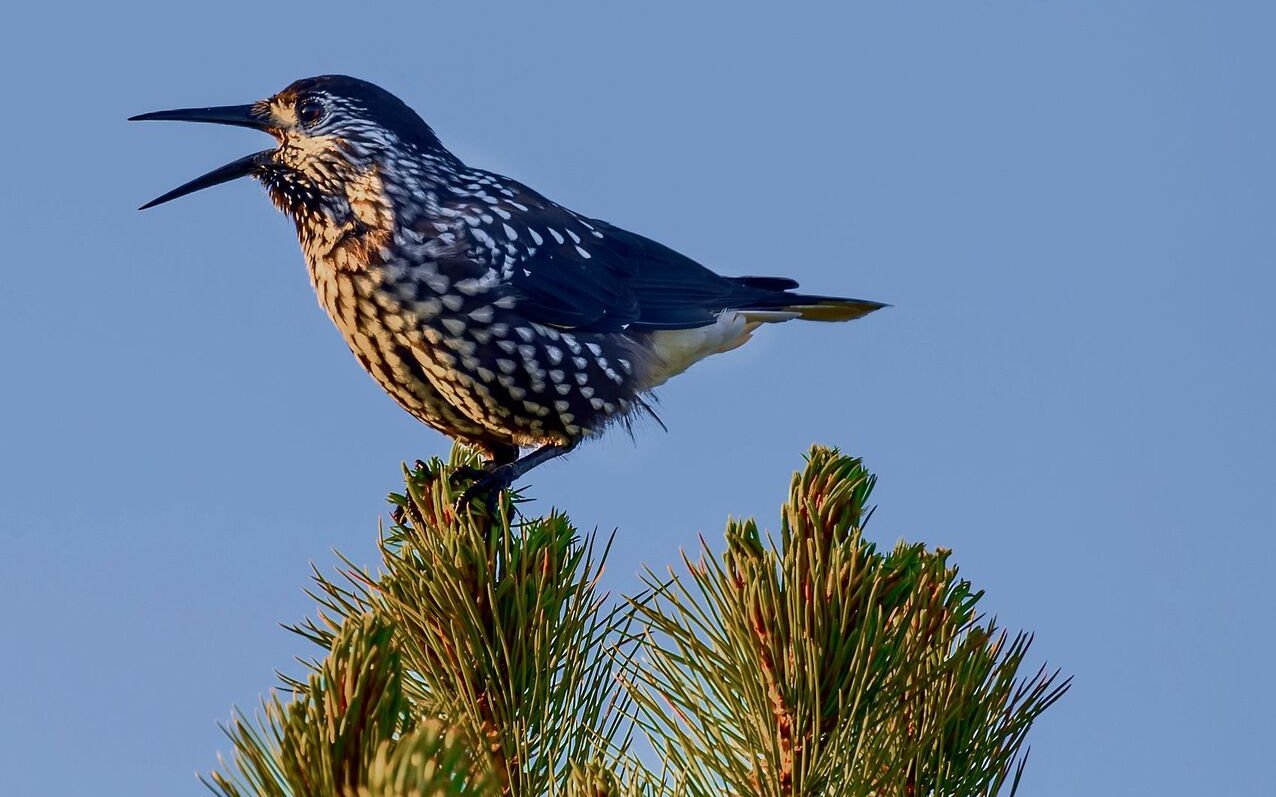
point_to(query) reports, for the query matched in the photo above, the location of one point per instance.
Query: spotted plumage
(484, 309)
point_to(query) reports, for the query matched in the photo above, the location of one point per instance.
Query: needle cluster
(483, 659)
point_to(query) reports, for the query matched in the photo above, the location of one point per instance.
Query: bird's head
(340, 141)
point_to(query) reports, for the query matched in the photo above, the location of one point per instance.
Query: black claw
(467, 474)
(489, 485)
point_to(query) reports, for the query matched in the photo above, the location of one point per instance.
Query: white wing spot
(469, 287)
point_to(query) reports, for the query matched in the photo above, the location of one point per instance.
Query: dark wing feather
(572, 278)
(613, 279)
(571, 272)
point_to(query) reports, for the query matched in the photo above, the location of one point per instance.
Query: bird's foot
(465, 473)
(422, 474)
(488, 485)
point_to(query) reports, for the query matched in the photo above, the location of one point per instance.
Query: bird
(484, 309)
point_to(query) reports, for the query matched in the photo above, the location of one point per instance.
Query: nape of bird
(484, 309)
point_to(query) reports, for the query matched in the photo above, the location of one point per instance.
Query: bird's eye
(309, 112)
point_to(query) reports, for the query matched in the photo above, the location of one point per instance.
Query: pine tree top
(483, 659)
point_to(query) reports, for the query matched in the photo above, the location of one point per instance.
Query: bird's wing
(572, 272)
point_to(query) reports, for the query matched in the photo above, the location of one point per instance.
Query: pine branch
(825, 667)
(508, 634)
(336, 731)
(501, 636)
(481, 659)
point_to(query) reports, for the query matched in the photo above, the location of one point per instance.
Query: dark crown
(371, 102)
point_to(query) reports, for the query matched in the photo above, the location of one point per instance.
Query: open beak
(236, 115)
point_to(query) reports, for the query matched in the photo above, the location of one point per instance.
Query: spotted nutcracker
(484, 309)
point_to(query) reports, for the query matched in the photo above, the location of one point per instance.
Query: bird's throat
(347, 227)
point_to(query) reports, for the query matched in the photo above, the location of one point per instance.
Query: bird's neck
(355, 199)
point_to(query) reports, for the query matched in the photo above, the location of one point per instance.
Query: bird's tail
(777, 302)
(832, 308)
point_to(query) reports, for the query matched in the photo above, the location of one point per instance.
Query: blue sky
(1069, 205)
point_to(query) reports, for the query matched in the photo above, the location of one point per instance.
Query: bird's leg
(503, 475)
(501, 454)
